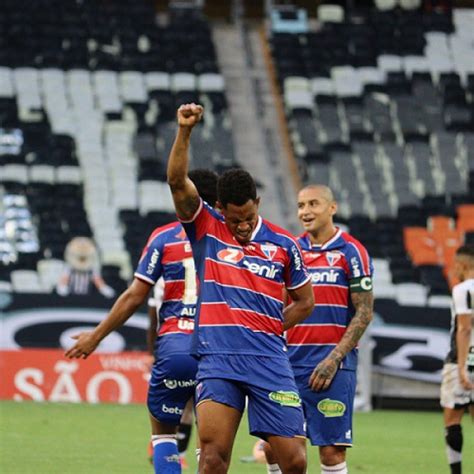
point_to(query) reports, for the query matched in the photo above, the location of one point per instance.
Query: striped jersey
(337, 267)
(241, 297)
(462, 303)
(168, 255)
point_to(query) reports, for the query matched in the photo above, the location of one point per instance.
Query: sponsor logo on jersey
(297, 257)
(269, 250)
(286, 399)
(171, 410)
(171, 384)
(185, 324)
(355, 267)
(261, 270)
(331, 408)
(230, 255)
(188, 312)
(326, 276)
(153, 261)
(333, 258)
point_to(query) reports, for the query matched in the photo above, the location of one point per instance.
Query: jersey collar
(329, 243)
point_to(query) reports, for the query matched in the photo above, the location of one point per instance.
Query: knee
(213, 460)
(296, 464)
(332, 455)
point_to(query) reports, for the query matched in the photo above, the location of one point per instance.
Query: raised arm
(185, 195)
(127, 303)
(325, 371)
(301, 306)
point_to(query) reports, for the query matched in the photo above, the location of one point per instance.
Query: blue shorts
(329, 413)
(172, 384)
(274, 405)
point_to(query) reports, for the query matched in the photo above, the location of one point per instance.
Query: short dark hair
(466, 250)
(236, 186)
(206, 184)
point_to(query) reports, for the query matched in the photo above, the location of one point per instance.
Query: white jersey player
(457, 388)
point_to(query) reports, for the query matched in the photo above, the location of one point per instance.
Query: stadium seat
(411, 294)
(26, 281)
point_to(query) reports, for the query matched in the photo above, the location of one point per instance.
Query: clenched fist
(189, 115)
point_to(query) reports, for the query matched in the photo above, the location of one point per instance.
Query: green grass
(47, 438)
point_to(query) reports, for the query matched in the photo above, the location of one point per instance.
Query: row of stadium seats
(84, 143)
(380, 106)
(104, 36)
(436, 244)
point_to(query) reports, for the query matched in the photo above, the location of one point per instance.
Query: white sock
(166, 438)
(273, 469)
(336, 469)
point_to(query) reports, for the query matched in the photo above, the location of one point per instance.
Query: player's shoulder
(350, 239)
(165, 232)
(280, 236)
(350, 243)
(463, 287)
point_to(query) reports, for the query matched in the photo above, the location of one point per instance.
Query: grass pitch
(52, 438)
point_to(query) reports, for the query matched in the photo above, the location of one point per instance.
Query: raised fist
(189, 115)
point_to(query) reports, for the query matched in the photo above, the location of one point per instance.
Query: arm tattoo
(186, 203)
(364, 305)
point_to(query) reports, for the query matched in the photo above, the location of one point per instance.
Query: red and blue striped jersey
(336, 268)
(168, 254)
(241, 297)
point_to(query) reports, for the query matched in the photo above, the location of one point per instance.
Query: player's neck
(469, 275)
(322, 235)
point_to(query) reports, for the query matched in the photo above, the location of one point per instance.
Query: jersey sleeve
(360, 267)
(296, 274)
(461, 300)
(158, 293)
(201, 223)
(150, 267)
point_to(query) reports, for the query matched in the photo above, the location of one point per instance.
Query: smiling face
(241, 220)
(316, 208)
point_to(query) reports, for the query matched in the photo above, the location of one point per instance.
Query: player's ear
(333, 208)
(257, 201)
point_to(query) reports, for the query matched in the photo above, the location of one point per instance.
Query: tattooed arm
(185, 195)
(325, 371)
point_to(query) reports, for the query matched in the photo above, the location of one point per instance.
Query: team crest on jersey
(269, 250)
(333, 258)
(230, 255)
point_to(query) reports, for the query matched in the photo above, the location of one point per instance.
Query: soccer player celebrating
(323, 349)
(457, 387)
(167, 254)
(244, 263)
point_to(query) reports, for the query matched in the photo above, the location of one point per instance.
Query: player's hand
(323, 374)
(464, 379)
(85, 345)
(189, 115)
